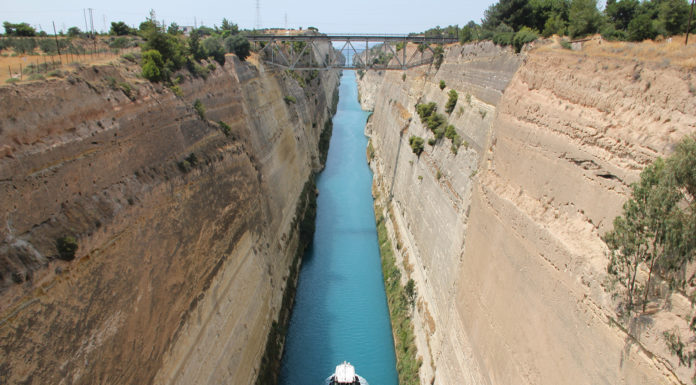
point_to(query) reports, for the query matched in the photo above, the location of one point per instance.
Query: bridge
(366, 52)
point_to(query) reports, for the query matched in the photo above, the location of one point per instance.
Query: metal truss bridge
(366, 52)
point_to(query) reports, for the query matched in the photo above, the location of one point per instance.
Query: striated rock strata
(503, 237)
(187, 229)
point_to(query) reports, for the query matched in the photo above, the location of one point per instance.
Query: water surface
(340, 311)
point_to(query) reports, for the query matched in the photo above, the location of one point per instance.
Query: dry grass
(671, 51)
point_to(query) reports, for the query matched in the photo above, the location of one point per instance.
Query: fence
(31, 58)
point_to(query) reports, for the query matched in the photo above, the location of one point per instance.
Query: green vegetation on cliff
(656, 234)
(517, 22)
(400, 300)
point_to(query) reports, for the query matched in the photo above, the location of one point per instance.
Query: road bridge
(366, 52)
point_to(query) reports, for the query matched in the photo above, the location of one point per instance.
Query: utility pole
(84, 13)
(55, 35)
(258, 14)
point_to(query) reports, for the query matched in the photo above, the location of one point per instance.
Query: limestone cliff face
(503, 237)
(186, 233)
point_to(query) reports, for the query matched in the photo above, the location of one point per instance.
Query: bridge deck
(349, 37)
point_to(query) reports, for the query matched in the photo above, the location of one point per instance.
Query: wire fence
(31, 58)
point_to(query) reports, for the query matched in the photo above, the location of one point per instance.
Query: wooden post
(688, 26)
(20, 71)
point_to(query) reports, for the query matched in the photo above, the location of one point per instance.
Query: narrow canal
(340, 311)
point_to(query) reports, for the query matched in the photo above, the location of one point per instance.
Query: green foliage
(450, 132)
(67, 247)
(641, 28)
(153, 65)
(555, 24)
(583, 18)
(657, 226)
(522, 37)
(289, 99)
(416, 143)
(673, 16)
(442, 84)
(213, 47)
(566, 44)
(451, 101)
(403, 77)
(194, 46)
(170, 48)
(620, 13)
(438, 56)
(188, 163)
(400, 307)
(239, 45)
(677, 348)
(225, 128)
(120, 28)
(20, 29)
(200, 109)
(410, 288)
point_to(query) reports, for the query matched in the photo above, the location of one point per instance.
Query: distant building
(186, 29)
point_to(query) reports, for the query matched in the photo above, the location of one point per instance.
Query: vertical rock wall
(182, 258)
(503, 237)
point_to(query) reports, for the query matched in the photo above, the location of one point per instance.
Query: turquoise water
(340, 311)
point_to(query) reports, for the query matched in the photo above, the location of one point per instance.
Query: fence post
(9, 69)
(20, 71)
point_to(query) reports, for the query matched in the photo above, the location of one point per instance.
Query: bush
(67, 246)
(641, 28)
(21, 29)
(213, 47)
(442, 84)
(584, 18)
(522, 37)
(120, 42)
(239, 45)
(416, 143)
(289, 99)
(451, 102)
(225, 128)
(120, 29)
(200, 109)
(153, 65)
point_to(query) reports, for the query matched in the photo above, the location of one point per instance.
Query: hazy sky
(357, 16)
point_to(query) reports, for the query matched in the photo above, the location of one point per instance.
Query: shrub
(289, 99)
(641, 28)
(177, 90)
(566, 44)
(153, 65)
(239, 45)
(67, 246)
(416, 143)
(200, 109)
(522, 37)
(432, 141)
(450, 132)
(442, 84)
(213, 47)
(451, 102)
(225, 128)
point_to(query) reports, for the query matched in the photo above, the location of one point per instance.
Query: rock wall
(183, 259)
(503, 237)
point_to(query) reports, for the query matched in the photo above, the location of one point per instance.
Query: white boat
(345, 375)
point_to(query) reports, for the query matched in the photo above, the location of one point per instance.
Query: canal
(340, 312)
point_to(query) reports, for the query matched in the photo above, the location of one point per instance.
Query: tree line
(514, 22)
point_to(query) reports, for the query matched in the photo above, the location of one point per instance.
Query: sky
(354, 16)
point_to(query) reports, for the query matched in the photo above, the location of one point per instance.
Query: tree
(555, 25)
(153, 65)
(673, 15)
(451, 101)
(194, 46)
(119, 29)
(621, 12)
(74, 32)
(417, 144)
(657, 228)
(410, 291)
(513, 13)
(228, 26)
(213, 47)
(21, 29)
(641, 28)
(239, 45)
(583, 18)
(174, 29)
(522, 37)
